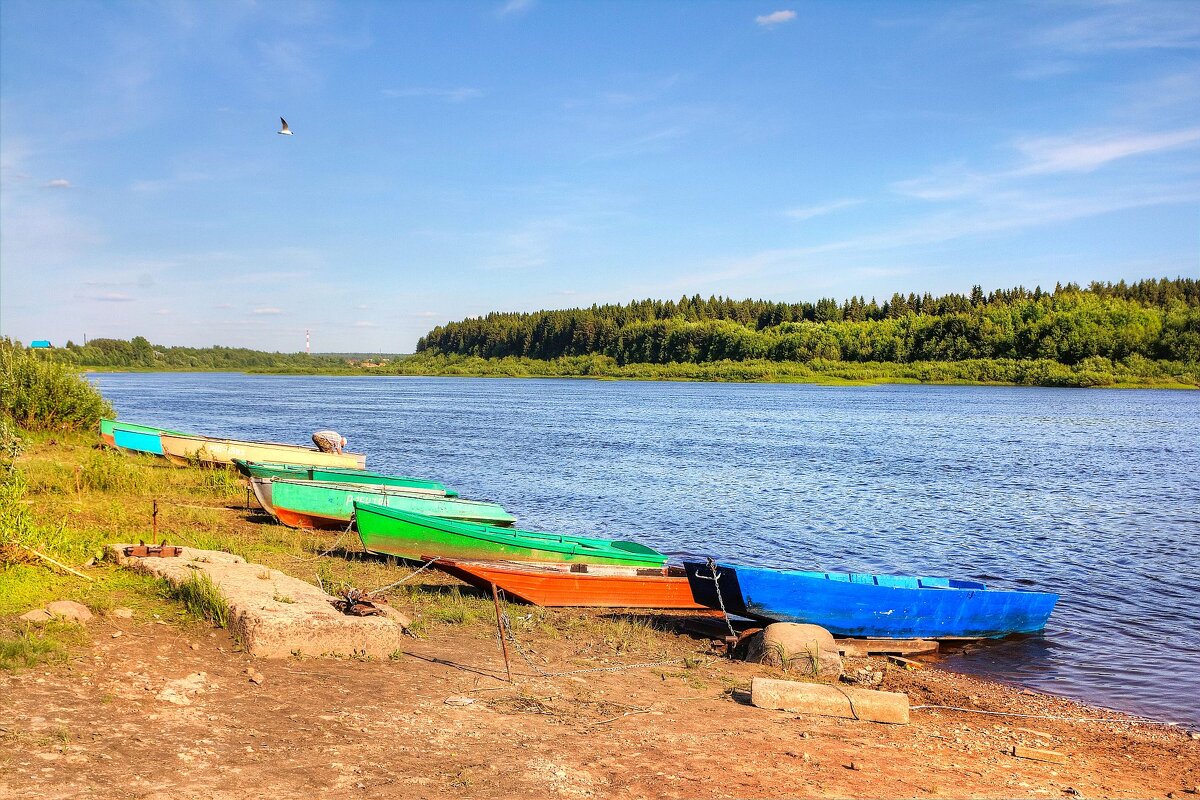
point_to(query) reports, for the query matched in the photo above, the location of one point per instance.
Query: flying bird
(285, 131)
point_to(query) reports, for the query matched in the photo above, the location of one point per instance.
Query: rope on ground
(1127, 721)
(512, 637)
(405, 578)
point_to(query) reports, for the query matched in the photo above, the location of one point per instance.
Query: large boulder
(794, 647)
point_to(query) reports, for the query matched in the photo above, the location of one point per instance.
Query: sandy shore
(441, 720)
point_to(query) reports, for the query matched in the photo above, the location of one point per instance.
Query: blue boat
(875, 606)
(137, 441)
(132, 437)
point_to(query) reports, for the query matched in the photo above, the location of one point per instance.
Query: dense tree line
(139, 353)
(1151, 319)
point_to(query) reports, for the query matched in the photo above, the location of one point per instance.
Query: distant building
(40, 344)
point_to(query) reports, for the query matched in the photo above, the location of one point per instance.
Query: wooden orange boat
(590, 585)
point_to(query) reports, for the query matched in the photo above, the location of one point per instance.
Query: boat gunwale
(386, 490)
(201, 438)
(561, 538)
(496, 535)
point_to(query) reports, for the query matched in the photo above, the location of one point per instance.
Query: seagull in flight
(285, 131)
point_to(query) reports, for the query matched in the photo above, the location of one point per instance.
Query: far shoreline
(816, 380)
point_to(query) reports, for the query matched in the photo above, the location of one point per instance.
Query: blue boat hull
(876, 606)
(137, 441)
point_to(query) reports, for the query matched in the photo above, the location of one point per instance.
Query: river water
(1094, 494)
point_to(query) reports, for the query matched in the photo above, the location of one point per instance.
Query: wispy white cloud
(655, 141)
(364, 324)
(426, 314)
(1042, 156)
(1051, 181)
(775, 18)
(113, 297)
(163, 312)
(526, 247)
(514, 7)
(1089, 152)
(58, 183)
(1116, 26)
(946, 182)
(808, 212)
(1041, 70)
(638, 90)
(267, 310)
(456, 95)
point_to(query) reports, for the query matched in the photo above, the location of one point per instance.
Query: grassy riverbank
(67, 499)
(1094, 372)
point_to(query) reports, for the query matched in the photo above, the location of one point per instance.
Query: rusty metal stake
(500, 629)
(154, 521)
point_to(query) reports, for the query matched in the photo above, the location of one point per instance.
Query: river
(1094, 494)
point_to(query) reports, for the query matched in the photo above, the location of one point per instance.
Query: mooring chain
(716, 579)
(345, 530)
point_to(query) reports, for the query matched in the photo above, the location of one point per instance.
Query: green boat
(400, 533)
(312, 504)
(300, 472)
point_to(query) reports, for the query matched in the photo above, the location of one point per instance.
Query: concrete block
(272, 614)
(830, 701)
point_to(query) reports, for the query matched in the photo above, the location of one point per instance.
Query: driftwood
(57, 564)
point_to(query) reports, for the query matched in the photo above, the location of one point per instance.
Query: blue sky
(451, 159)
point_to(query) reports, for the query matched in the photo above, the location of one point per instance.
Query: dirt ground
(440, 720)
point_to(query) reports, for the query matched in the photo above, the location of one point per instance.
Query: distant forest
(1140, 334)
(1150, 319)
(139, 354)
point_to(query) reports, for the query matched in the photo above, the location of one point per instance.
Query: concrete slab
(830, 701)
(271, 613)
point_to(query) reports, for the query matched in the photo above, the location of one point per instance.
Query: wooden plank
(905, 663)
(857, 648)
(1038, 755)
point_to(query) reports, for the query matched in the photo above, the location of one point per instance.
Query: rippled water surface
(1093, 494)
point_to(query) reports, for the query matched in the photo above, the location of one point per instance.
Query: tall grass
(109, 471)
(17, 528)
(39, 392)
(201, 597)
(12, 444)
(30, 647)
